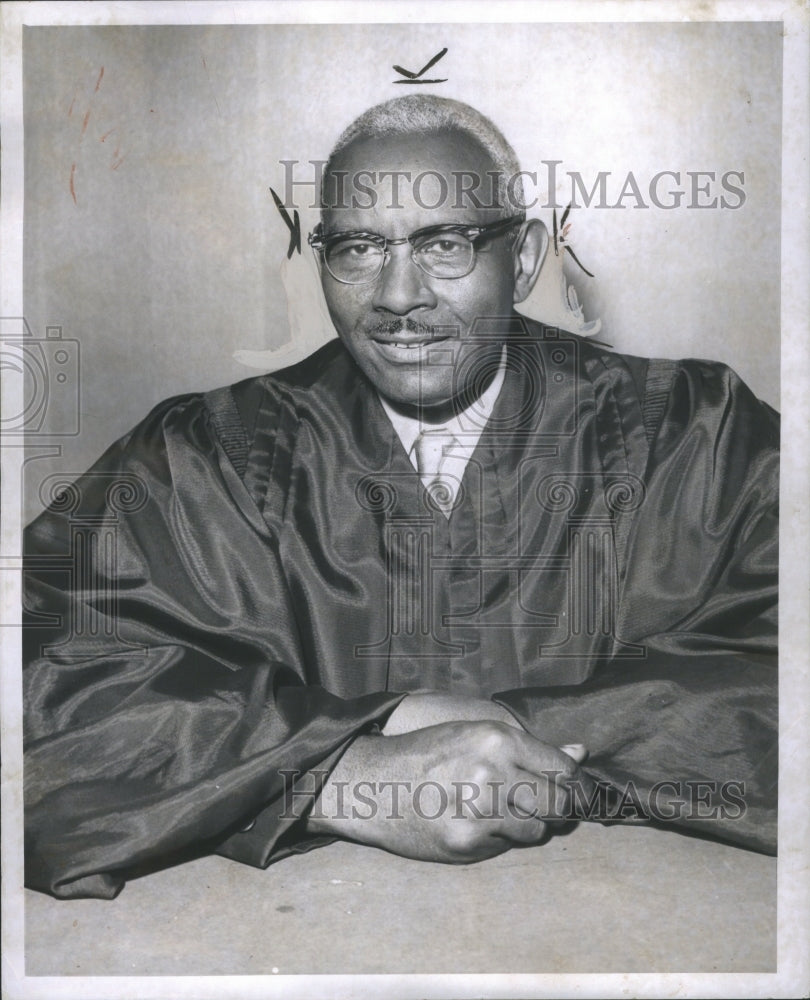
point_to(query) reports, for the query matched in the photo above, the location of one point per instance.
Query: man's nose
(401, 286)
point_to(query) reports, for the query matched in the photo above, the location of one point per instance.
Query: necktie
(431, 451)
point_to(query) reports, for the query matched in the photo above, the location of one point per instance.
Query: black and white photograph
(394, 596)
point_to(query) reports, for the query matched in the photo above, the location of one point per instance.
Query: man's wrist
(422, 709)
(327, 815)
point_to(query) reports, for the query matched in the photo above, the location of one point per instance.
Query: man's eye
(444, 245)
(353, 248)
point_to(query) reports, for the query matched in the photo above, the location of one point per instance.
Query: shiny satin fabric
(240, 612)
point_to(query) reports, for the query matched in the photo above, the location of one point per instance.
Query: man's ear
(529, 252)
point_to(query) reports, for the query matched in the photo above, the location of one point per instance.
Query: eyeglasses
(447, 251)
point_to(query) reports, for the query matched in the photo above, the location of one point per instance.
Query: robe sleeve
(166, 706)
(686, 733)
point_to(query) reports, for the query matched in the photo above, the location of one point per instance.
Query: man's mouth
(407, 345)
(407, 339)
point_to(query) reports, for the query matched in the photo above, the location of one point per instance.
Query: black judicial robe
(253, 577)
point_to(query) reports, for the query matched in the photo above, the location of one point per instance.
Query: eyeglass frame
(320, 243)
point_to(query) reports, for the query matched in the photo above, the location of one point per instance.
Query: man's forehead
(446, 149)
(437, 177)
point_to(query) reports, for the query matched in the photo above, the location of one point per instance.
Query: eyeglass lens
(442, 255)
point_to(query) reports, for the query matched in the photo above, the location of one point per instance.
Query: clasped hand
(453, 791)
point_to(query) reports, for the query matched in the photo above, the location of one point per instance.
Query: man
(456, 568)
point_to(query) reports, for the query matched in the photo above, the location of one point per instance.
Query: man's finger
(545, 760)
(545, 799)
(523, 830)
(576, 750)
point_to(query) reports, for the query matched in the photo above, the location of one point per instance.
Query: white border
(792, 978)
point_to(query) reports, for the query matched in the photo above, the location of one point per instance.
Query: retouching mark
(205, 67)
(106, 134)
(559, 236)
(85, 122)
(437, 80)
(416, 77)
(98, 82)
(72, 188)
(293, 225)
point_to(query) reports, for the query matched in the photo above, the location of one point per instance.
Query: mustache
(390, 327)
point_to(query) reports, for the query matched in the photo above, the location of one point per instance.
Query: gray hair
(423, 114)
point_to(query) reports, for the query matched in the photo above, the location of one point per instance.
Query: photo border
(792, 977)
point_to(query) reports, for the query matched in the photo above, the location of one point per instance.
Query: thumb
(576, 750)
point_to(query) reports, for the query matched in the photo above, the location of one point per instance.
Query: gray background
(170, 259)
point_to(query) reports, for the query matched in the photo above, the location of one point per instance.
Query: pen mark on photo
(294, 225)
(559, 234)
(412, 77)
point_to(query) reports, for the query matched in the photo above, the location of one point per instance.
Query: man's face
(408, 331)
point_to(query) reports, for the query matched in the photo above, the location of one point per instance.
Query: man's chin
(433, 406)
(436, 400)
